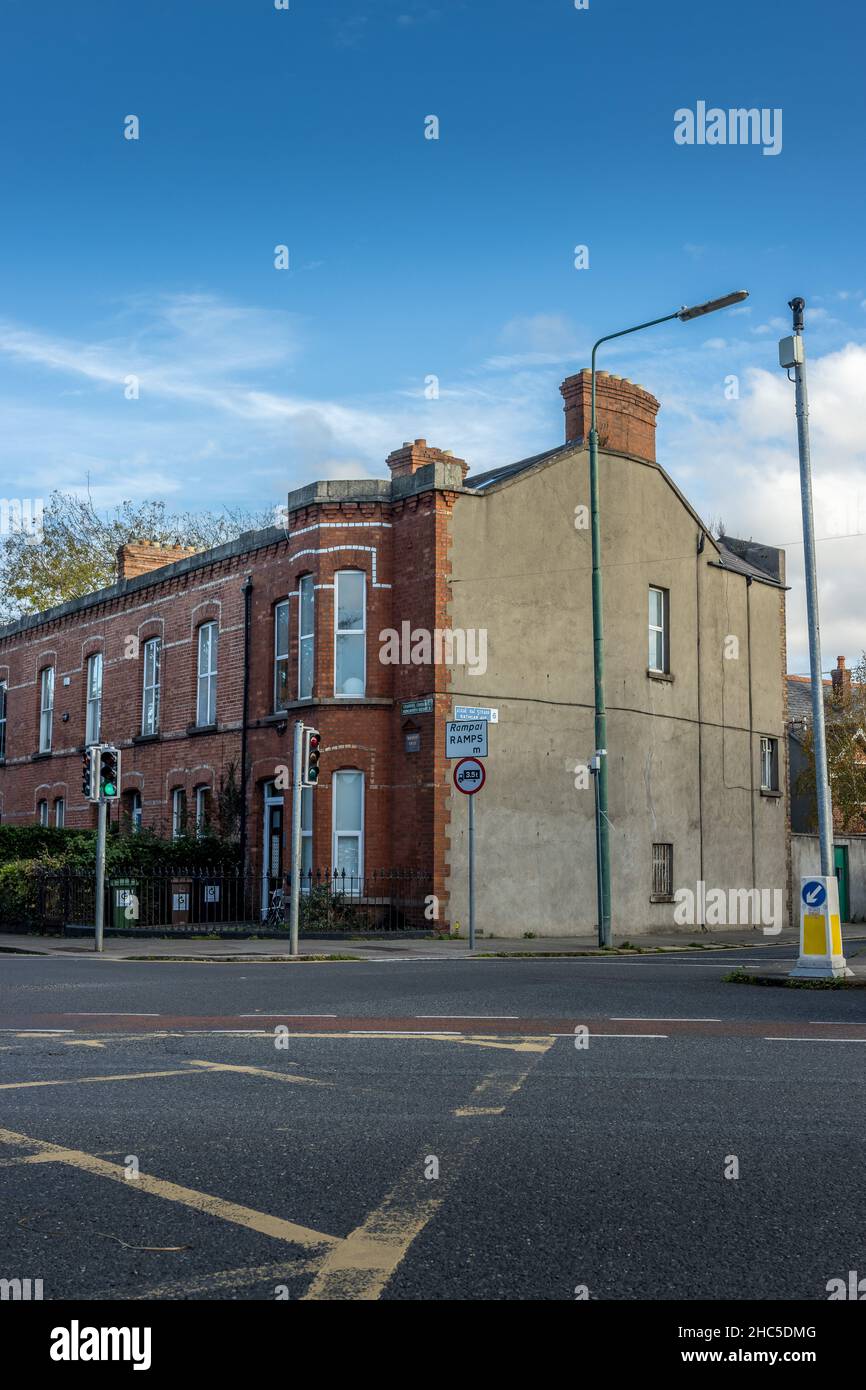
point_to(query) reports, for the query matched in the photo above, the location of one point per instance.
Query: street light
(684, 314)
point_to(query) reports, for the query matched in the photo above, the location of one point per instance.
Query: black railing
(224, 902)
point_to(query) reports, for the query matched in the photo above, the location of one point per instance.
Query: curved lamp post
(601, 819)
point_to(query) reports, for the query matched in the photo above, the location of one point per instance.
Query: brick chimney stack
(841, 679)
(625, 413)
(140, 557)
(406, 461)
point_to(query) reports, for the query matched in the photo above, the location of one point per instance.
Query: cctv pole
(297, 790)
(100, 871)
(822, 778)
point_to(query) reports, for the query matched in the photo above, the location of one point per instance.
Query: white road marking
(628, 1018)
(615, 1035)
(394, 1033)
(265, 1015)
(465, 1015)
(818, 1040)
(40, 1032)
(836, 1023)
(113, 1013)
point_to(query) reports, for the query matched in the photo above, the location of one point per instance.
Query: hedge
(76, 849)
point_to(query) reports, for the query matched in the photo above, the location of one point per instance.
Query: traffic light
(109, 773)
(87, 774)
(312, 754)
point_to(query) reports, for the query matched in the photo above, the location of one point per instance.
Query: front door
(272, 840)
(840, 865)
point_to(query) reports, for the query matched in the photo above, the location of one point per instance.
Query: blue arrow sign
(814, 893)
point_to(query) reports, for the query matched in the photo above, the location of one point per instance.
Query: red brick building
(197, 666)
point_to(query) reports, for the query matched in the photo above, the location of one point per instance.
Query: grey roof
(480, 481)
(733, 562)
(800, 698)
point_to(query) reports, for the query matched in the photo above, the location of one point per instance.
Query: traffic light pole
(100, 872)
(297, 789)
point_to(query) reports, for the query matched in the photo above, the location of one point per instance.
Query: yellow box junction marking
(253, 1220)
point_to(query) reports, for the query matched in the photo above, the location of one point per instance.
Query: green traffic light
(109, 789)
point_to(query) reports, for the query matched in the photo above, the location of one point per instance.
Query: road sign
(469, 776)
(821, 952)
(490, 716)
(465, 737)
(814, 893)
(422, 706)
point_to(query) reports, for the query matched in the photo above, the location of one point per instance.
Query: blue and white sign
(491, 716)
(814, 893)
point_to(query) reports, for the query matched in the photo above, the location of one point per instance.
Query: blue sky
(412, 257)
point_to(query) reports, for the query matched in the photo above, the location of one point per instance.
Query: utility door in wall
(840, 864)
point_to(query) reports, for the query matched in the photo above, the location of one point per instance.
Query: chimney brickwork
(140, 557)
(625, 413)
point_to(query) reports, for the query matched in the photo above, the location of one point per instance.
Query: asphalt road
(287, 1121)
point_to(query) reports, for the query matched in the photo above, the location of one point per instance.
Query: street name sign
(476, 712)
(464, 737)
(422, 706)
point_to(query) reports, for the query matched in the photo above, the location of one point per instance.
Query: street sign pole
(472, 873)
(297, 792)
(100, 873)
(469, 778)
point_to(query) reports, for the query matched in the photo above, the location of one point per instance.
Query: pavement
(630, 1126)
(392, 946)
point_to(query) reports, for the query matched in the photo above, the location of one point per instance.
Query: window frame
(3, 719)
(93, 702)
(307, 837)
(59, 812)
(306, 583)
(153, 644)
(360, 633)
(46, 710)
(209, 676)
(663, 630)
(662, 889)
(770, 746)
(178, 812)
(42, 811)
(135, 810)
(336, 833)
(201, 820)
(281, 659)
